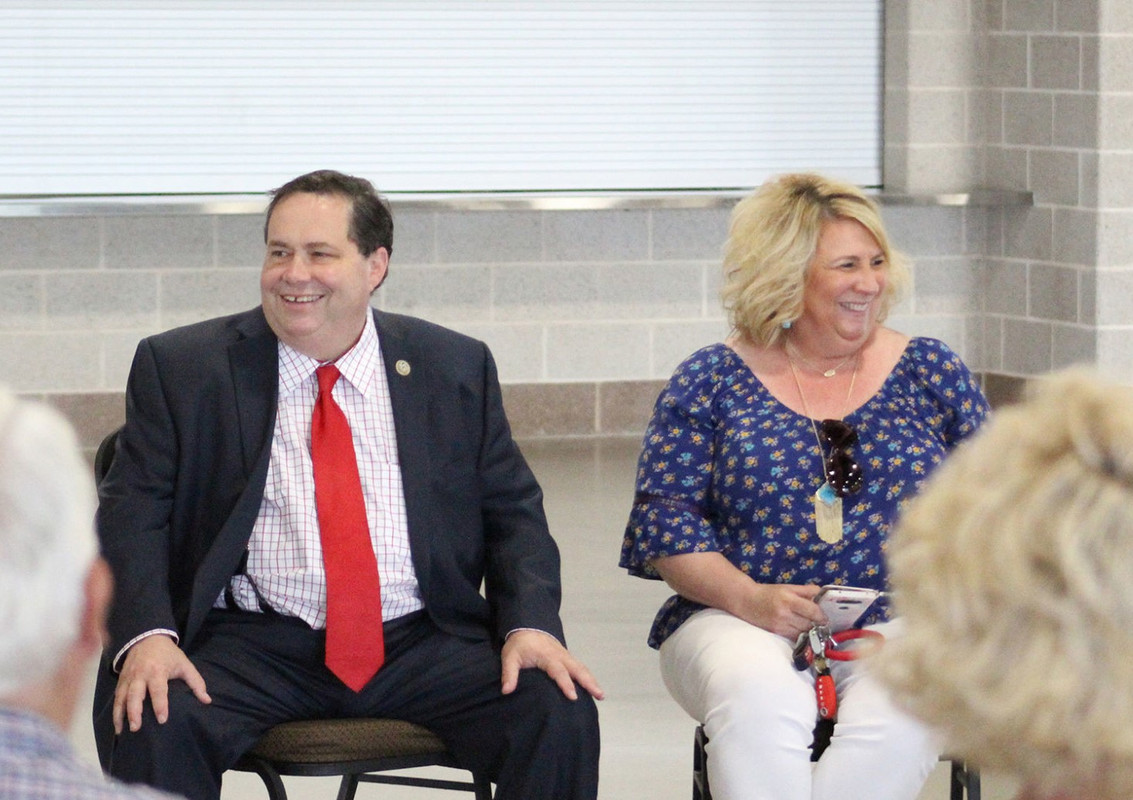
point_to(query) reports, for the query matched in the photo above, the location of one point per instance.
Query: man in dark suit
(209, 521)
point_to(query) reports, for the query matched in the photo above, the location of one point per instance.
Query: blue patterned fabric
(726, 467)
(37, 763)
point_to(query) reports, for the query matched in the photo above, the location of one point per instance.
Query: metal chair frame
(430, 753)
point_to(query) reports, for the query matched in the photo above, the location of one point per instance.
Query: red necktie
(355, 643)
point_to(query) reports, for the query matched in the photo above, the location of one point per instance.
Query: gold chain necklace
(826, 373)
(827, 503)
(802, 397)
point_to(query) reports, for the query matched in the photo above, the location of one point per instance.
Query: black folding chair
(360, 750)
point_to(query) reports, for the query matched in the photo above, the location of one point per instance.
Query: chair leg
(700, 790)
(348, 787)
(272, 781)
(482, 787)
(965, 781)
(973, 783)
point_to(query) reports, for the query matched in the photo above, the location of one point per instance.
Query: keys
(810, 651)
(819, 637)
(815, 649)
(803, 655)
(809, 645)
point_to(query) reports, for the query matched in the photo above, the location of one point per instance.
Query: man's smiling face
(316, 285)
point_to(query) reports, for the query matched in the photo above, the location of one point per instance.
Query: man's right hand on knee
(146, 670)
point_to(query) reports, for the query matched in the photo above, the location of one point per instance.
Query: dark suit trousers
(261, 669)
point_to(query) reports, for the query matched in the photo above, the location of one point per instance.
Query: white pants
(759, 714)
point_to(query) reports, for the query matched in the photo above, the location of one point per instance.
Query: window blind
(236, 96)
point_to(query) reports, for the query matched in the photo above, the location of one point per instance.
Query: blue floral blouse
(726, 467)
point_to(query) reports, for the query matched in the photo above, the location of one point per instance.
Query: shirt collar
(358, 365)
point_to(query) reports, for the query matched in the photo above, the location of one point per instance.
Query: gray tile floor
(646, 738)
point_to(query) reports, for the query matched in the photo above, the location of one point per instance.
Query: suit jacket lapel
(254, 361)
(412, 399)
(409, 394)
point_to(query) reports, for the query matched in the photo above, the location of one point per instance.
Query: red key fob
(827, 699)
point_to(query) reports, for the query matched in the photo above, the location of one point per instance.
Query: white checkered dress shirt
(285, 560)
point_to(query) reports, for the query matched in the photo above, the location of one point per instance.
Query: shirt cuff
(116, 664)
(537, 630)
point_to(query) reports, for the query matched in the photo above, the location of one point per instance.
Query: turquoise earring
(786, 325)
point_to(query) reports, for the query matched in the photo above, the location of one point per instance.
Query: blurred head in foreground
(53, 587)
(1013, 571)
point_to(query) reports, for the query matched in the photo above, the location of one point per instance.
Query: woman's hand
(710, 579)
(783, 608)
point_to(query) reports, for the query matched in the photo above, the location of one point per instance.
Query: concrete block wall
(1041, 102)
(589, 310)
(1040, 90)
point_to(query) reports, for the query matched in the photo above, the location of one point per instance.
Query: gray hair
(47, 539)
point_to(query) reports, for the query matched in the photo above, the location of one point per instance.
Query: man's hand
(524, 649)
(147, 669)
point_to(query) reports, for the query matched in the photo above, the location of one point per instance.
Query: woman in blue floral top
(776, 463)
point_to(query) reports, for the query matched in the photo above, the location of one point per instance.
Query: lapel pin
(402, 367)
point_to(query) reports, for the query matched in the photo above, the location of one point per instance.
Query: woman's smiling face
(844, 282)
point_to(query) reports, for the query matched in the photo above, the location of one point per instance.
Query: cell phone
(844, 605)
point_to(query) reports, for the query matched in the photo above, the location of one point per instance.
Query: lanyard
(817, 647)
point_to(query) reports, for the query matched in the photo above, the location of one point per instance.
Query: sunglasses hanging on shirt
(842, 474)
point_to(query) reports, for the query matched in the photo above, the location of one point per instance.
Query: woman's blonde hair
(1013, 572)
(772, 239)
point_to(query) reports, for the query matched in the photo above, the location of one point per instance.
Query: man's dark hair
(371, 223)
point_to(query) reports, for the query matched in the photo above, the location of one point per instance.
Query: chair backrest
(104, 456)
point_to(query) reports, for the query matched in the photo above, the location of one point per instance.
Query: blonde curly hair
(772, 238)
(1013, 571)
